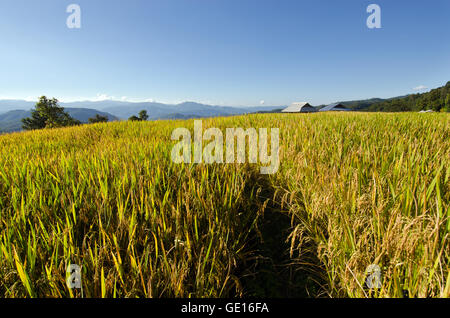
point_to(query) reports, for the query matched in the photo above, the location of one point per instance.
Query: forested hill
(437, 99)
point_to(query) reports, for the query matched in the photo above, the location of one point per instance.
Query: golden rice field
(352, 190)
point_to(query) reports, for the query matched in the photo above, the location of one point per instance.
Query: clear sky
(224, 52)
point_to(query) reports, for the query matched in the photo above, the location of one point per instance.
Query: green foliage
(98, 119)
(447, 103)
(134, 118)
(48, 114)
(142, 116)
(436, 99)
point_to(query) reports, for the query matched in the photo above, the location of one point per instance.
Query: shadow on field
(271, 272)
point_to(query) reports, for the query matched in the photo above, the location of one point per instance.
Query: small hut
(335, 107)
(302, 107)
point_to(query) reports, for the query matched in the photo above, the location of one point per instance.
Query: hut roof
(299, 107)
(335, 106)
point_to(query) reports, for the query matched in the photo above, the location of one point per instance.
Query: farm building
(300, 108)
(334, 107)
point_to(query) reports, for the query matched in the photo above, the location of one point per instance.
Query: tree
(98, 119)
(134, 118)
(143, 115)
(48, 114)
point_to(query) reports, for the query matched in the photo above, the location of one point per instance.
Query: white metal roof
(296, 107)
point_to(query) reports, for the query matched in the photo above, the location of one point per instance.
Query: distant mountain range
(183, 110)
(12, 120)
(12, 111)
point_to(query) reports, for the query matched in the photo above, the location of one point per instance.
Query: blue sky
(224, 52)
